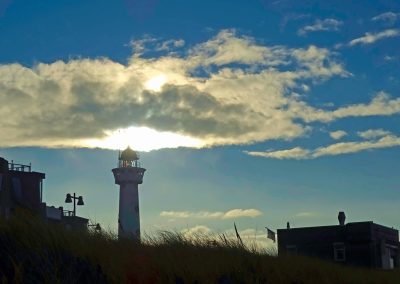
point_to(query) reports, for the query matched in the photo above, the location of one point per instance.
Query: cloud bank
(234, 213)
(228, 90)
(253, 238)
(375, 139)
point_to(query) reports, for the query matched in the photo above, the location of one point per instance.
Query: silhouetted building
(360, 243)
(75, 222)
(20, 187)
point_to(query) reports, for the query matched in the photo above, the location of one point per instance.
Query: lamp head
(80, 201)
(68, 198)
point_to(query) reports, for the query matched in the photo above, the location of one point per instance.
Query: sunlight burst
(155, 84)
(143, 139)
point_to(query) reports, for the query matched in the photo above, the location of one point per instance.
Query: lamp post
(69, 198)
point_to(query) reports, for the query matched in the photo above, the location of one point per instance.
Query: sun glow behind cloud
(143, 139)
(156, 83)
(228, 90)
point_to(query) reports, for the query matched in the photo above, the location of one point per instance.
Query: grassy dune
(35, 252)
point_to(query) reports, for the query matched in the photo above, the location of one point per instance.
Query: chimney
(341, 218)
(287, 225)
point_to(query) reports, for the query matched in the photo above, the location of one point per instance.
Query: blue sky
(288, 111)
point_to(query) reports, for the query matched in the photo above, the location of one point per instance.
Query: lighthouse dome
(129, 155)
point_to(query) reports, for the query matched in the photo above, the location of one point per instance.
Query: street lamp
(69, 198)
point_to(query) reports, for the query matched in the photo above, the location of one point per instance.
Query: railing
(19, 167)
(126, 164)
(68, 213)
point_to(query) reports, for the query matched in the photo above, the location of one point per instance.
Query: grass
(33, 251)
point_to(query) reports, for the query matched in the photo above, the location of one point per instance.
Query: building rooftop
(361, 223)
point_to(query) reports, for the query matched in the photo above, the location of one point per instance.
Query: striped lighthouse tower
(128, 175)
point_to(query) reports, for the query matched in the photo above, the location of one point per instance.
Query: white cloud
(388, 17)
(313, 59)
(237, 213)
(227, 48)
(382, 104)
(370, 38)
(389, 58)
(252, 238)
(292, 17)
(353, 147)
(243, 99)
(373, 133)
(321, 25)
(245, 94)
(139, 45)
(305, 214)
(337, 134)
(386, 141)
(294, 153)
(170, 45)
(234, 213)
(197, 231)
(175, 214)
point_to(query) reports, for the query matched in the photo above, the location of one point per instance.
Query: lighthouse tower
(128, 176)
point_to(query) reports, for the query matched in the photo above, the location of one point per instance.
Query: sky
(254, 112)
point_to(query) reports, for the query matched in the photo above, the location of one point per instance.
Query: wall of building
(364, 243)
(19, 189)
(386, 246)
(316, 242)
(75, 222)
(6, 202)
(26, 188)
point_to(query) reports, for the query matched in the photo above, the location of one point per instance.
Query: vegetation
(36, 252)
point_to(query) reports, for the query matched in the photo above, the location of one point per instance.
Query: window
(339, 252)
(392, 256)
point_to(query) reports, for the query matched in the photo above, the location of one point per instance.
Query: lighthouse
(128, 175)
